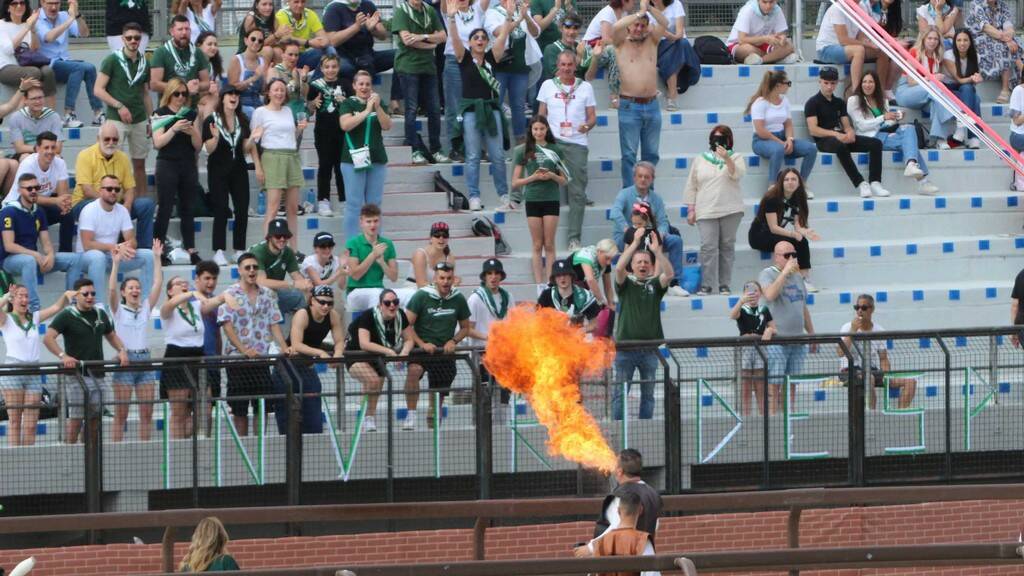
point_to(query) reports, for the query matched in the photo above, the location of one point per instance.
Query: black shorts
(180, 375)
(377, 365)
(440, 373)
(248, 381)
(858, 374)
(542, 209)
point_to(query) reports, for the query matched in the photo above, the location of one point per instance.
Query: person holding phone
(754, 320)
(864, 309)
(540, 172)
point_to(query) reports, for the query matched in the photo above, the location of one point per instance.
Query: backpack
(482, 226)
(711, 50)
(456, 199)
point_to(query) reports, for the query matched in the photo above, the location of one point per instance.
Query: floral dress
(993, 56)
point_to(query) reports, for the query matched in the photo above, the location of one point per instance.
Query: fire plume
(537, 353)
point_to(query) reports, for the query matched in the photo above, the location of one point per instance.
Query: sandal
(1004, 97)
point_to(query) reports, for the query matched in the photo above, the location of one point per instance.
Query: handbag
(28, 57)
(361, 156)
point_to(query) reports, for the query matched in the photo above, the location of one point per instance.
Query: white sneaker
(369, 424)
(418, 158)
(474, 204)
(753, 60)
(574, 245)
(72, 121)
(913, 170)
(323, 208)
(973, 143)
(807, 191)
(180, 256)
(926, 188)
(942, 144)
(791, 59)
(677, 291)
(220, 258)
(410, 421)
(960, 135)
(541, 288)
(864, 189)
(811, 288)
(877, 190)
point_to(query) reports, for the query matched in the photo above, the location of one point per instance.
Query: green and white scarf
(332, 96)
(191, 318)
(378, 321)
(415, 14)
(231, 137)
(497, 311)
(714, 159)
(97, 326)
(132, 4)
(488, 76)
(26, 328)
(551, 157)
(122, 58)
(167, 120)
(517, 33)
(204, 26)
(296, 25)
(431, 290)
(181, 69)
(28, 113)
(581, 300)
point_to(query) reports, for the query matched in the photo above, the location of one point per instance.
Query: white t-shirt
(311, 266)
(133, 327)
(105, 225)
(278, 128)
(207, 17)
(924, 11)
(181, 332)
(22, 345)
(567, 105)
(481, 315)
(827, 33)
(876, 346)
(7, 32)
(673, 11)
(751, 21)
(774, 117)
(465, 23)
(48, 179)
(1017, 106)
(606, 14)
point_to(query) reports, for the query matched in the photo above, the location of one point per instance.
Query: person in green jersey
(371, 257)
(419, 32)
(179, 58)
(569, 40)
(540, 173)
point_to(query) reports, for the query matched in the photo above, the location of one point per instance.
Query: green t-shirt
(223, 563)
(277, 266)
(378, 155)
(554, 30)
(541, 190)
(437, 319)
(131, 95)
(180, 64)
(83, 331)
(411, 60)
(550, 62)
(639, 316)
(359, 248)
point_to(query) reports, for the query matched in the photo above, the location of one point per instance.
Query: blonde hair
(209, 541)
(922, 56)
(607, 246)
(172, 86)
(769, 81)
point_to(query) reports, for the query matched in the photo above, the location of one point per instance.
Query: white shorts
(135, 137)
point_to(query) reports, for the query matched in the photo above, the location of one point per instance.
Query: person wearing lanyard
(482, 120)
(179, 58)
(177, 138)
(363, 158)
(294, 77)
(131, 313)
(539, 171)
(324, 98)
(247, 70)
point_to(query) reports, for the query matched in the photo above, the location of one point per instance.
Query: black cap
(829, 73)
(561, 268)
(323, 238)
(571, 21)
(493, 265)
(279, 227)
(229, 89)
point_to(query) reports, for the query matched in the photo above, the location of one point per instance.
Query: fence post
(93, 442)
(793, 532)
(288, 372)
(948, 375)
(483, 398)
(855, 408)
(766, 411)
(673, 428)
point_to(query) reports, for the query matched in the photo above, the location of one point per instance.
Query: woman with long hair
(599, 37)
(208, 45)
(261, 17)
(782, 216)
(247, 70)
(962, 79)
(871, 117)
(208, 550)
(177, 138)
(773, 126)
(201, 14)
(18, 24)
(909, 94)
(540, 172)
(226, 138)
(364, 161)
(275, 128)
(425, 258)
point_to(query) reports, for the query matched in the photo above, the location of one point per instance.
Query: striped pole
(217, 478)
(437, 435)
(166, 440)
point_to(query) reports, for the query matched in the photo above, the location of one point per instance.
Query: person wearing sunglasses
(84, 326)
(862, 322)
(773, 140)
(177, 136)
(122, 12)
(323, 267)
(247, 69)
(569, 40)
(786, 297)
(425, 258)
(277, 261)
(383, 331)
(782, 216)
(34, 119)
(261, 17)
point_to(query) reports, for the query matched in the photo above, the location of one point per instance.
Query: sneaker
(418, 158)
(72, 121)
(474, 204)
(811, 288)
(194, 258)
(942, 144)
(677, 291)
(457, 156)
(810, 195)
(973, 143)
(589, 202)
(724, 290)
(877, 190)
(960, 135)
(282, 211)
(506, 111)
(179, 256)
(304, 208)
(99, 117)
(323, 208)
(753, 60)
(220, 258)
(791, 59)
(926, 188)
(574, 245)
(507, 206)
(890, 96)
(410, 421)
(864, 189)
(441, 158)
(670, 105)
(369, 424)
(704, 291)
(913, 170)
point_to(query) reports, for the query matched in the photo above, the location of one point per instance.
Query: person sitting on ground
(871, 117)
(783, 204)
(841, 42)
(774, 139)
(54, 28)
(829, 125)
(277, 260)
(437, 250)
(323, 267)
(371, 257)
(385, 331)
(864, 309)
(300, 24)
(625, 539)
(52, 174)
(208, 550)
(909, 94)
(962, 78)
(24, 126)
(565, 295)
(758, 35)
(754, 321)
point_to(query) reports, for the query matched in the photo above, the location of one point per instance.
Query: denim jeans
(452, 95)
(785, 360)
(304, 381)
(27, 268)
(626, 363)
(363, 187)
(381, 60)
(639, 131)
(289, 300)
(97, 264)
(312, 57)
(904, 140)
(474, 140)
(514, 86)
(142, 212)
(1017, 141)
(73, 73)
(968, 94)
(917, 98)
(775, 153)
(419, 88)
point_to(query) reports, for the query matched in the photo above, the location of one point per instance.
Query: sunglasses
(479, 37)
(256, 39)
(439, 235)
(324, 302)
(279, 237)
(787, 82)
(860, 308)
(113, 140)
(443, 267)
(133, 38)
(89, 294)
(179, 94)
(250, 267)
(35, 188)
(389, 303)
(17, 4)
(788, 255)
(114, 189)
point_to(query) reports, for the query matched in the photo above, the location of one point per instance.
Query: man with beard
(179, 58)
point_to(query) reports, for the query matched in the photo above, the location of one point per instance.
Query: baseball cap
(561, 268)
(323, 238)
(279, 227)
(571, 21)
(439, 227)
(493, 265)
(829, 73)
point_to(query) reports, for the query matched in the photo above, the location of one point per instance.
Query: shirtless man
(636, 48)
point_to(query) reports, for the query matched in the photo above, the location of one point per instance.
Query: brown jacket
(621, 542)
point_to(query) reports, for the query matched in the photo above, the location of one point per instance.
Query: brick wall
(961, 522)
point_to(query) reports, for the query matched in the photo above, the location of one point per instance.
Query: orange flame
(537, 353)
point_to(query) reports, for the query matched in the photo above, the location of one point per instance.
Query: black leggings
(328, 151)
(762, 239)
(873, 146)
(176, 184)
(224, 180)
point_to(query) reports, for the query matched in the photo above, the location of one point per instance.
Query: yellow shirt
(91, 166)
(304, 29)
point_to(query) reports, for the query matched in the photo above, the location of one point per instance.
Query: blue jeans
(832, 54)
(514, 85)
(639, 131)
(289, 300)
(27, 268)
(304, 381)
(419, 88)
(97, 264)
(474, 139)
(968, 94)
(452, 95)
(312, 57)
(917, 98)
(1017, 141)
(73, 73)
(626, 363)
(775, 153)
(143, 210)
(68, 226)
(904, 140)
(363, 187)
(785, 360)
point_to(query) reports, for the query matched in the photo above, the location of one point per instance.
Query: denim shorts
(134, 378)
(31, 383)
(833, 54)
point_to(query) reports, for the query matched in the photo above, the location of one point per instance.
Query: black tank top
(316, 331)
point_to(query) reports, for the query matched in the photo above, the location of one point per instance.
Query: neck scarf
(123, 59)
(43, 114)
(714, 159)
(203, 25)
(378, 320)
(296, 25)
(191, 318)
(97, 326)
(580, 300)
(332, 96)
(415, 14)
(431, 290)
(181, 69)
(518, 33)
(485, 73)
(497, 311)
(552, 157)
(230, 137)
(27, 328)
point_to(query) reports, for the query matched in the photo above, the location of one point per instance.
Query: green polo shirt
(131, 95)
(359, 248)
(189, 69)
(437, 319)
(83, 331)
(378, 155)
(411, 60)
(276, 266)
(639, 316)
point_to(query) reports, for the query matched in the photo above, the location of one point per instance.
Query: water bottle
(261, 203)
(311, 196)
